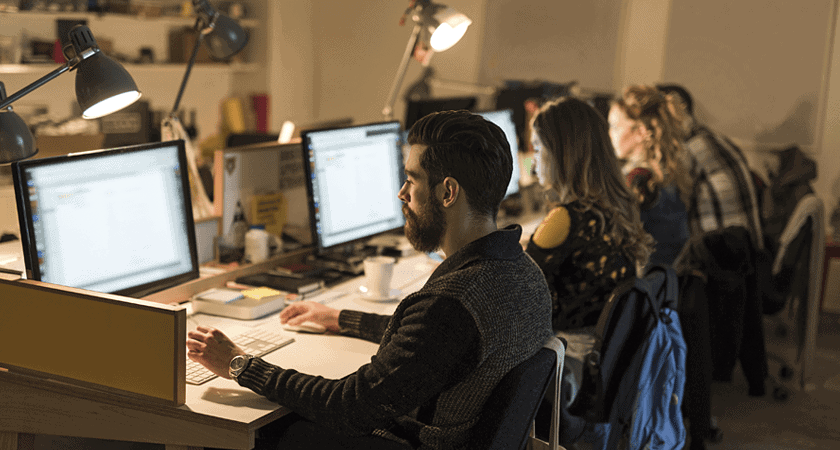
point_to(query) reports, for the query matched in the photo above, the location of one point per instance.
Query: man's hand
(212, 349)
(304, 311)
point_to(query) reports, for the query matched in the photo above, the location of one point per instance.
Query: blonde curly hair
(664, 117)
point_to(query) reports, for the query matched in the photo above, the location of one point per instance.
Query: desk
(218, 413)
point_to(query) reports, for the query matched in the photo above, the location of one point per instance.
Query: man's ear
(450, 190)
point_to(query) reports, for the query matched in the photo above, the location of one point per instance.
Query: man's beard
(424, 230)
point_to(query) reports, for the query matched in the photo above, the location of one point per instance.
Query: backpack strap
(590, 400)
(670, 287)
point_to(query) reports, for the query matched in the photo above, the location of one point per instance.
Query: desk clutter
(257, 295)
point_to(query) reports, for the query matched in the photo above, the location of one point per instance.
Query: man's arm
(370, 327)
(434, 345)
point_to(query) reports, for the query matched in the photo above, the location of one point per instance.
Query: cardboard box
(181, 43)
(62, 145)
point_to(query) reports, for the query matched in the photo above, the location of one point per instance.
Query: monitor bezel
(413, 115)
(514, 148)
(27, 230)
(310, 194)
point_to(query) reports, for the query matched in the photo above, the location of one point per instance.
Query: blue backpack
(634, 376)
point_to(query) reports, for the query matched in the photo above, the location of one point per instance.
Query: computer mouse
(306, 327)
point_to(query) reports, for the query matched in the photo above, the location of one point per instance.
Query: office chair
(797, 278)
(508, 415)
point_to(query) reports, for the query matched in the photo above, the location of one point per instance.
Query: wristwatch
(238, 365)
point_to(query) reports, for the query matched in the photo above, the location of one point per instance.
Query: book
(252, 304)
(298, 271)
(220, 295)
(282, 283)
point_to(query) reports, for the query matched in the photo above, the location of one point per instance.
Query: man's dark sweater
(484, 310)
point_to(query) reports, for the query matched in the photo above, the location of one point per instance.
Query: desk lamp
(103, 86)
(224, 38)
(438, 25)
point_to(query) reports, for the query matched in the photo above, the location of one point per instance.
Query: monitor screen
(504, 119)
(115, 221)
(417, 109)
(353, 177)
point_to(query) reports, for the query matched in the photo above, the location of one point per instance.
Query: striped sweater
(483, 311)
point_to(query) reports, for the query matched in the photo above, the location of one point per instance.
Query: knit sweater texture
(484, 310)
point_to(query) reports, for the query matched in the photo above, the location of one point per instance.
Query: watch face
(237, 362)
(238, 365)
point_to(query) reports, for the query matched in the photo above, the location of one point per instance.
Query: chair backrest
(508, 415)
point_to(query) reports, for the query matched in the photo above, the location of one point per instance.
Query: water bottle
(256, 244)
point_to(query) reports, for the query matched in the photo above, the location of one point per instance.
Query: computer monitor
(417, 109)
(115, 221)
(504, 119)
(353, 177)
(515, 93)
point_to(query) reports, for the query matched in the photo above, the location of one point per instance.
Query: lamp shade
(103, 86)
(16, 141)
(445, 25)
(225, 38)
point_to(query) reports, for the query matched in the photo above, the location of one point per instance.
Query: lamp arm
(35, 85)
(69, 65)
(187, 73)
(388, 110)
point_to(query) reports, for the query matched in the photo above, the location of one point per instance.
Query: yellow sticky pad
(260, 292)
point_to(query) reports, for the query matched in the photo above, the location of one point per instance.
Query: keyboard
(257, 341)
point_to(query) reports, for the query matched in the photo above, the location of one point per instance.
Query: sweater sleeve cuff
(256, 375)
(350, 322)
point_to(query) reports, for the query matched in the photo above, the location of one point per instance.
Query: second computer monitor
(504, 119)
(115, 221)
(417, 109)
(354, 175)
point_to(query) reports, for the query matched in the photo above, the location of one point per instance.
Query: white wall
(757, 69)
(551, 40)
(356, 48)
(290, 60)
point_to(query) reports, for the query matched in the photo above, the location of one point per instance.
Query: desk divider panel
(108, 342)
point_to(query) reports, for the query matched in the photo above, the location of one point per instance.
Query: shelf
(43, 69)
(187, 21)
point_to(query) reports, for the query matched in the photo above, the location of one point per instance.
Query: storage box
(62, 145)
(181, 43)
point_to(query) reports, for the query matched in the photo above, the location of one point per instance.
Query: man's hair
(470, 149)
(579, 164)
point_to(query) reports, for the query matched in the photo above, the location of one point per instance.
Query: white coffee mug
(378, 273)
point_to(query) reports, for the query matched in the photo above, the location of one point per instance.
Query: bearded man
(485, 309)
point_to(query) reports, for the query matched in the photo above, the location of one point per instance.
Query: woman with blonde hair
(647, 131)
(592, 239)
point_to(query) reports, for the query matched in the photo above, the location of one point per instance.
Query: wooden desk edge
(113, 399)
